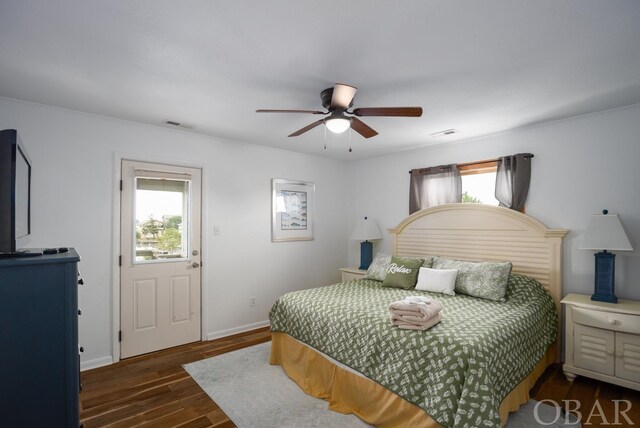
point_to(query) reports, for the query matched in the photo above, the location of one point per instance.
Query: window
(161, 205)
(473, 182)
(479, 182)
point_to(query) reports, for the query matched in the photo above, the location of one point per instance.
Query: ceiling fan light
(337, 125)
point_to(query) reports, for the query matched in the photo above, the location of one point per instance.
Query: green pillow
(402, 272)
(486, 280)
(378, 267)
(428, 262)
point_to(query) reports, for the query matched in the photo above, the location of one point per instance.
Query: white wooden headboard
(485, 233)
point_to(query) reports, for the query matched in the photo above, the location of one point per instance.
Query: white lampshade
(605, 232)
(366, 230)
(337, 125)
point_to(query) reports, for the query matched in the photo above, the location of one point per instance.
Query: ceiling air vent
(444, 133)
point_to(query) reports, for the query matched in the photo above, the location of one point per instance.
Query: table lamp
(605, 233)
(366, 231)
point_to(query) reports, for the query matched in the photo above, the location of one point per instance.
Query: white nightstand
(349, 274)
(602, 340)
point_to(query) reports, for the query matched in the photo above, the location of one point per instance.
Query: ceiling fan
(337, 101)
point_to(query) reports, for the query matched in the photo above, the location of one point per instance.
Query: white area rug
(255, 394)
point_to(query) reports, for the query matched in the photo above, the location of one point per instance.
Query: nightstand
(602, 340)
(349, 274)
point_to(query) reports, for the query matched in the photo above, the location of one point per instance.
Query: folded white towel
(417, 299)
(418, 326)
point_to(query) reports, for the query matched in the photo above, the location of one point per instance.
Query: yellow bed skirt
(347, 392)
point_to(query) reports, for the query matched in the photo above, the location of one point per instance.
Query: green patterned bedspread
(458, 371)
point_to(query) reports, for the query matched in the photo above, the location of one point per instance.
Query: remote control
(50, 251)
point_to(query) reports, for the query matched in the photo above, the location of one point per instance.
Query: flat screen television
(15, 193)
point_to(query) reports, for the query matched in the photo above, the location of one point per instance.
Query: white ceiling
(478, 66)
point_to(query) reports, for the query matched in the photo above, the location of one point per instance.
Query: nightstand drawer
(350, 274)
(606, 320)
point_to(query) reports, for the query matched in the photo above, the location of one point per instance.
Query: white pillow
(437, 280)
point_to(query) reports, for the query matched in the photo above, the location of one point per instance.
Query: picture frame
(292, 210)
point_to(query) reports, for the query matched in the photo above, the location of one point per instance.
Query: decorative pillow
(437, 280)
(402, 272)
(428, 262)
(486, 280)
(378, 268)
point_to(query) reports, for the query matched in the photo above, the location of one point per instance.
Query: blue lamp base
(366, 254)
(605, 278)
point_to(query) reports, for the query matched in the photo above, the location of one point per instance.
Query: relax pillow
(486, 280)
(437, 280)
(378, 268)
(402, 272)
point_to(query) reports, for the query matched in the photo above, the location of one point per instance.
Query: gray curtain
(512, 180)
(434, 186)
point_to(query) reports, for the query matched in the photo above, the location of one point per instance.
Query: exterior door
(160, 257)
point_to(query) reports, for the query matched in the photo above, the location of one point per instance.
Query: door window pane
(161, 219)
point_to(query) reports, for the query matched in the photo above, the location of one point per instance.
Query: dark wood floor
(594, 400)
(154, 390)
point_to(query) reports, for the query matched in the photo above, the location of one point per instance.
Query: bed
(471, 369)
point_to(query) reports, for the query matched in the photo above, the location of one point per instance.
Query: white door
(160, 257)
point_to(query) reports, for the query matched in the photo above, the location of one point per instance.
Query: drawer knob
(79, 312)
(613, 322)
(81, 349)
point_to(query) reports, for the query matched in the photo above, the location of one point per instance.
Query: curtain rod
(527, 156)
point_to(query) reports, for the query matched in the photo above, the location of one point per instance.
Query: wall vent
(178, 124)
(444, 133)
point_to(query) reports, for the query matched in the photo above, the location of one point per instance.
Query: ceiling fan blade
(389, 111)
(362, 128)
(342, 95)
(290, 111)
(307, 128)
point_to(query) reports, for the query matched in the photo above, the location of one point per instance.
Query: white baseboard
(95, 363)
(231, 331)
(105, 361)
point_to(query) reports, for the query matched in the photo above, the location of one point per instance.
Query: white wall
(73, 204)
(581, 166)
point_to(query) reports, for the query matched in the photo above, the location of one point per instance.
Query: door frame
(115, 242)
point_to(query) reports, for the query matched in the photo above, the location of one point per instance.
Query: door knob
(196, 265)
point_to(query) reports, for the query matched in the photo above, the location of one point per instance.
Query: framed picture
(292, 210)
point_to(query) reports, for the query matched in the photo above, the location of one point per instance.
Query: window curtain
(512, 180)
(434, 186)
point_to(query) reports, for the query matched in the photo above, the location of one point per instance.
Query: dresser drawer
(606, 320)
